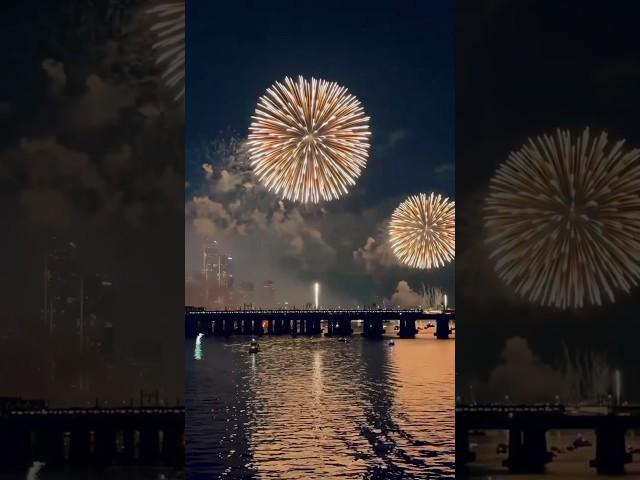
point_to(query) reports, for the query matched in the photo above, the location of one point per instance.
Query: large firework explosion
(563, 220)
(309, 140)
(422, 231)
(170, 45)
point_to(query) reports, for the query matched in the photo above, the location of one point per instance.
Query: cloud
(243, 207)
(118, 161)
(227, 182)
(208, 217)
(396, 136)
(444, 168)
(375, 254)
(208, 170)
(404, 296)
(102, 102)
(523, 377)
(57, 76)
(6, 110)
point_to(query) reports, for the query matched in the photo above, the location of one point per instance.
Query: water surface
(319, 408)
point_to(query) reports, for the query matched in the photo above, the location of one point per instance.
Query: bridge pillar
(344, 327)
(105, 445)
(527, 451)
(218, 327)
(206, 326)
(248, 327)
(442, 327)
(129, 446)
(49, 447)
(228, 327)
(173, 447)
(277, 326)
(372, 328)
(149, 445)
(286, 325)
(407, 328)
(237, 326)
(270, 327)
(79, 447)
(257, 327)
(463, 452)
(331, 327)
(611, 452)
(294, 327)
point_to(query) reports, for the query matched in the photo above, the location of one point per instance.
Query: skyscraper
(62, 289)
(268, 293)
(218, 277)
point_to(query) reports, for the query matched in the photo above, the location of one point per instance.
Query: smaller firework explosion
(309, 140)
(170, 45)
(563, 220)
(422, 231)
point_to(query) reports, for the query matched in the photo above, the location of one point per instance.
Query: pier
(309, 322)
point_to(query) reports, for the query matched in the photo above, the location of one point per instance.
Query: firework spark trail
(309, 140)
(563, 220)
(422, 231)
(170, 30)
(432, 297)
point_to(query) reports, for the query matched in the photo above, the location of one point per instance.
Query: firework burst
(309, 140)
(563, 220)
(422, 231)
(170, 45)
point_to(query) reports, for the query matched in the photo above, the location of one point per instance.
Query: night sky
(397, 58)
(92, 152)
(525, 69)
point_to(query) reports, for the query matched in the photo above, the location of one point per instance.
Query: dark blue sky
(396, 57)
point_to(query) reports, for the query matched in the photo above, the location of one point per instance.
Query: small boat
(254, 347)
(343, 340)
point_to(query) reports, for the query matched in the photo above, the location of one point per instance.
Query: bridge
(92, 437)
(309, 322)
(528, 425)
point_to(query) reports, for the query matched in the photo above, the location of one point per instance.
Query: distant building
(62, 289)
(98, 315)
(217, 274)
(78, 316)
(268, 293)
(246, 293)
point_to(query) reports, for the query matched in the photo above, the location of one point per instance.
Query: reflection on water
(569, 463)
(319, 408)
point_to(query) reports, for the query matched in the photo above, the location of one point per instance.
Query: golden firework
(563, 220)
(309, 140)
(170, 45)
(422, 231)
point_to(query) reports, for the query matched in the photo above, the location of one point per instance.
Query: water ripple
(318, 408)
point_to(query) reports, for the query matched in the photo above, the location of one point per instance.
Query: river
(320, 408)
